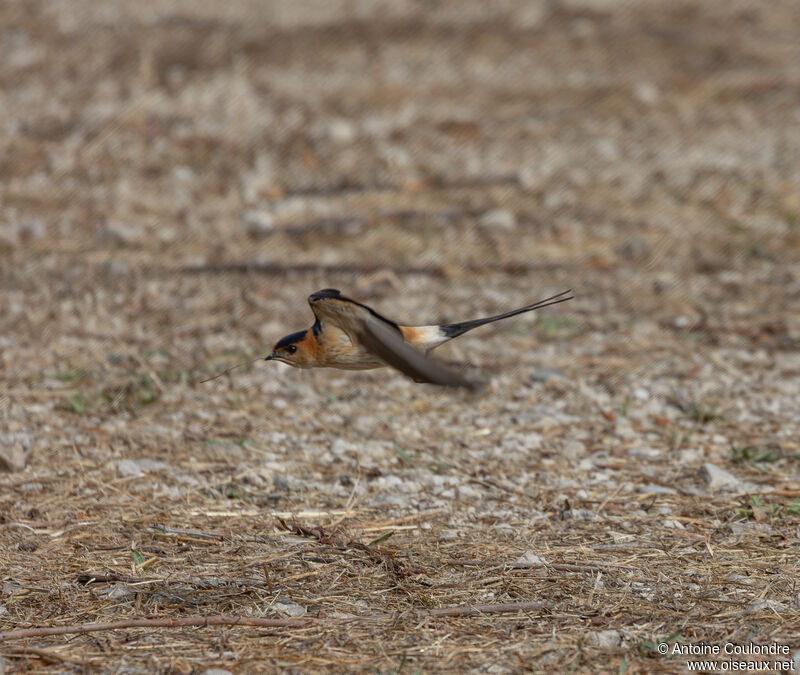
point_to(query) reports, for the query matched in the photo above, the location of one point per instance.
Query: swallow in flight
(352, 336)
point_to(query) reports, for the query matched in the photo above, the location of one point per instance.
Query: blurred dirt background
(177, 177)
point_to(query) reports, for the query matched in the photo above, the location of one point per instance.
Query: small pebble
(339, 446)
(573, 450)
(139, 467)
(760, 604)
(544, 374)
(289, 608)
(717, 479)
(578, 514)
(15, 450)
(529, 559)
(499, 219)
(116, 592)
(605, 639)
(258, 223)
(120, 234)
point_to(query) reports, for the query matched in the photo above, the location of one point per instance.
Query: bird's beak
(269, 357)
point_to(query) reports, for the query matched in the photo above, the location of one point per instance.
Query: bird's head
(294, 350)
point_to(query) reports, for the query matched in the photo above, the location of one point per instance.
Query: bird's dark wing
(381, 337)
(334, 294)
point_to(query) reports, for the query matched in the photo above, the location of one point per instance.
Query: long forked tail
(455, 329)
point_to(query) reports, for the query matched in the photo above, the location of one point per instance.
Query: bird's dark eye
(291, 349)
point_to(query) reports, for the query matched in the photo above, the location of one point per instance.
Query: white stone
(15, 450)
(605, 639)
(578, 514)
(718, 480)
(258, 223)
(573, 450)
(529, 559)
(139, 467)
(760, 604)
(289, 608)
(501, 219)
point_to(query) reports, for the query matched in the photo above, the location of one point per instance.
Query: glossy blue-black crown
(292, 339)
(325, 293)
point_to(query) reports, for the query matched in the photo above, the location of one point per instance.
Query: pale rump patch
(423, 338)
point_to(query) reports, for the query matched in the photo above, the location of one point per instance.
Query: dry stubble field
(177, 177)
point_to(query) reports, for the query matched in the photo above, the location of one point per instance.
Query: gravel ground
(178, 177)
